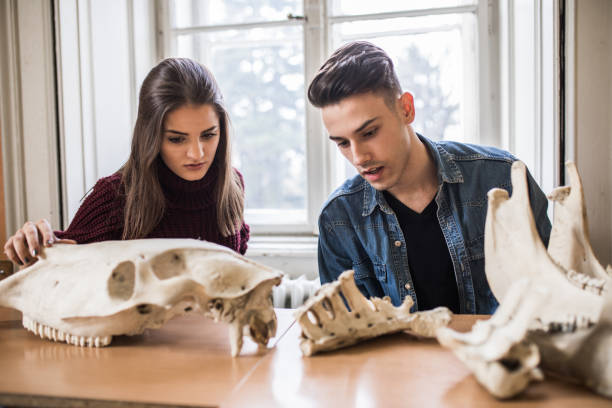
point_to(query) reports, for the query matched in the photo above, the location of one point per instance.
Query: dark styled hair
(173, 83)
(355, 68)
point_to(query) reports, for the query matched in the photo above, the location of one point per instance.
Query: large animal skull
(327, 323)
(514, 250)
(85, 294)
(496, 350)
(558, 301)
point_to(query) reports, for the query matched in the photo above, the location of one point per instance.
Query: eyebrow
(359, 129)
(176, 132)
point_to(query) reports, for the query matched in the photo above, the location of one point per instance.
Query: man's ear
(407, 106)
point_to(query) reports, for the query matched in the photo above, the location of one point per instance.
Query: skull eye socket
(168, 265)
(121, 281)
(511, 364)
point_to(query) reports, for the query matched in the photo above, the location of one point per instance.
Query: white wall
(27, 112)
(593, 123)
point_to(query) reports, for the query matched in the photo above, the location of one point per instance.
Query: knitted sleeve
(100, 217)
(238, 241)
(244, 233)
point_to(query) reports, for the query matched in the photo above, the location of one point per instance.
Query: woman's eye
(343, 144)
(208, 135)
(176, 139)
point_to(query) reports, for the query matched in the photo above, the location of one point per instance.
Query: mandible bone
(569, 243)
(572, 327)
(514, 250)
(496, 350)
(85, 294)
(327, 323)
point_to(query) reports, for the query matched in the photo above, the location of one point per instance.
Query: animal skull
(514, 250)
(327, 323)
(565, 313)
(496, 350)
(85, 294)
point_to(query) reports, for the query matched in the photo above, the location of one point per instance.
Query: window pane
(261, 74)
(430, 57)
(352, 7)
(190, 13)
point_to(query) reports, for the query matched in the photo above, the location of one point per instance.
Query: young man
(412, 221)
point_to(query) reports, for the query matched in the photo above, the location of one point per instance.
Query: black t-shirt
(430, 263)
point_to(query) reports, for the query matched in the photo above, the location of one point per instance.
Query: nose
(195, 150)
(360, 154)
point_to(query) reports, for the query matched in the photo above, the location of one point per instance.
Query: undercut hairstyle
(173, 83)
(355, 68)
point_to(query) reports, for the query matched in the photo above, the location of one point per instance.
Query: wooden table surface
(188, 363)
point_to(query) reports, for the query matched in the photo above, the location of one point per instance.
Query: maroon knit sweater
(190, 212)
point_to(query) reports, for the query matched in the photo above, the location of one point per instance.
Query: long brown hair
(173, 83)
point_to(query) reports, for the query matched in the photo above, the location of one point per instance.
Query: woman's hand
(23, 247)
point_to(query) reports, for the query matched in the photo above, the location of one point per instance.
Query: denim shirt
(358, 230)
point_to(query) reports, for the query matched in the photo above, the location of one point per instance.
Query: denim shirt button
(398, 243)
(407, 286)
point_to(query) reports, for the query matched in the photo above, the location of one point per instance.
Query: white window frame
(322, 162)
(532, 133)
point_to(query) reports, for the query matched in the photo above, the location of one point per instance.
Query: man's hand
(23, 247)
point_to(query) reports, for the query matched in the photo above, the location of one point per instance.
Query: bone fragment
(327, 323)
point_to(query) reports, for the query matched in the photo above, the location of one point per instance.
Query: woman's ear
(407, 107)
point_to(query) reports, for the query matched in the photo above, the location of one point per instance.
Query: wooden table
(188, 363)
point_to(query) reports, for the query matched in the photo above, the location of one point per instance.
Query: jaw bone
(569, 239)
(514, 250)
(495, 350)
(580, 354)
(85, 294)
(567, 315)
(327, 323)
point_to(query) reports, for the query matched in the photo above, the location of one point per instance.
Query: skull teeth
(47, 332)
(593, 285)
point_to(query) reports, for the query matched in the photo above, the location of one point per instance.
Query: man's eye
(370, 133)
(343, 144)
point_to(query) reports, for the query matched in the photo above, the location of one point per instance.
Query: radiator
(292, 293)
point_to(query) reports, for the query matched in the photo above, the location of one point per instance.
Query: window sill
(292, 255)
(286, 245)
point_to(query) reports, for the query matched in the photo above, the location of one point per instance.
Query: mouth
(373, 173)
(194, 166)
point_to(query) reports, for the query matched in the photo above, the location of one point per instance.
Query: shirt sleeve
(100, 217)
(332, 258)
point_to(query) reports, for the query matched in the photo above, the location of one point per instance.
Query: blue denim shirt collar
(448, 172)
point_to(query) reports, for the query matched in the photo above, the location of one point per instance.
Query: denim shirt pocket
(475, 248)
(370, 278)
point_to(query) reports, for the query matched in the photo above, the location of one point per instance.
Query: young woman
(178, 181)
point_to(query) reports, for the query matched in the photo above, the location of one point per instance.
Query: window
(263, 54)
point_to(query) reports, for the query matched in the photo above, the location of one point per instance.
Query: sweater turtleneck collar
(185, 194)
